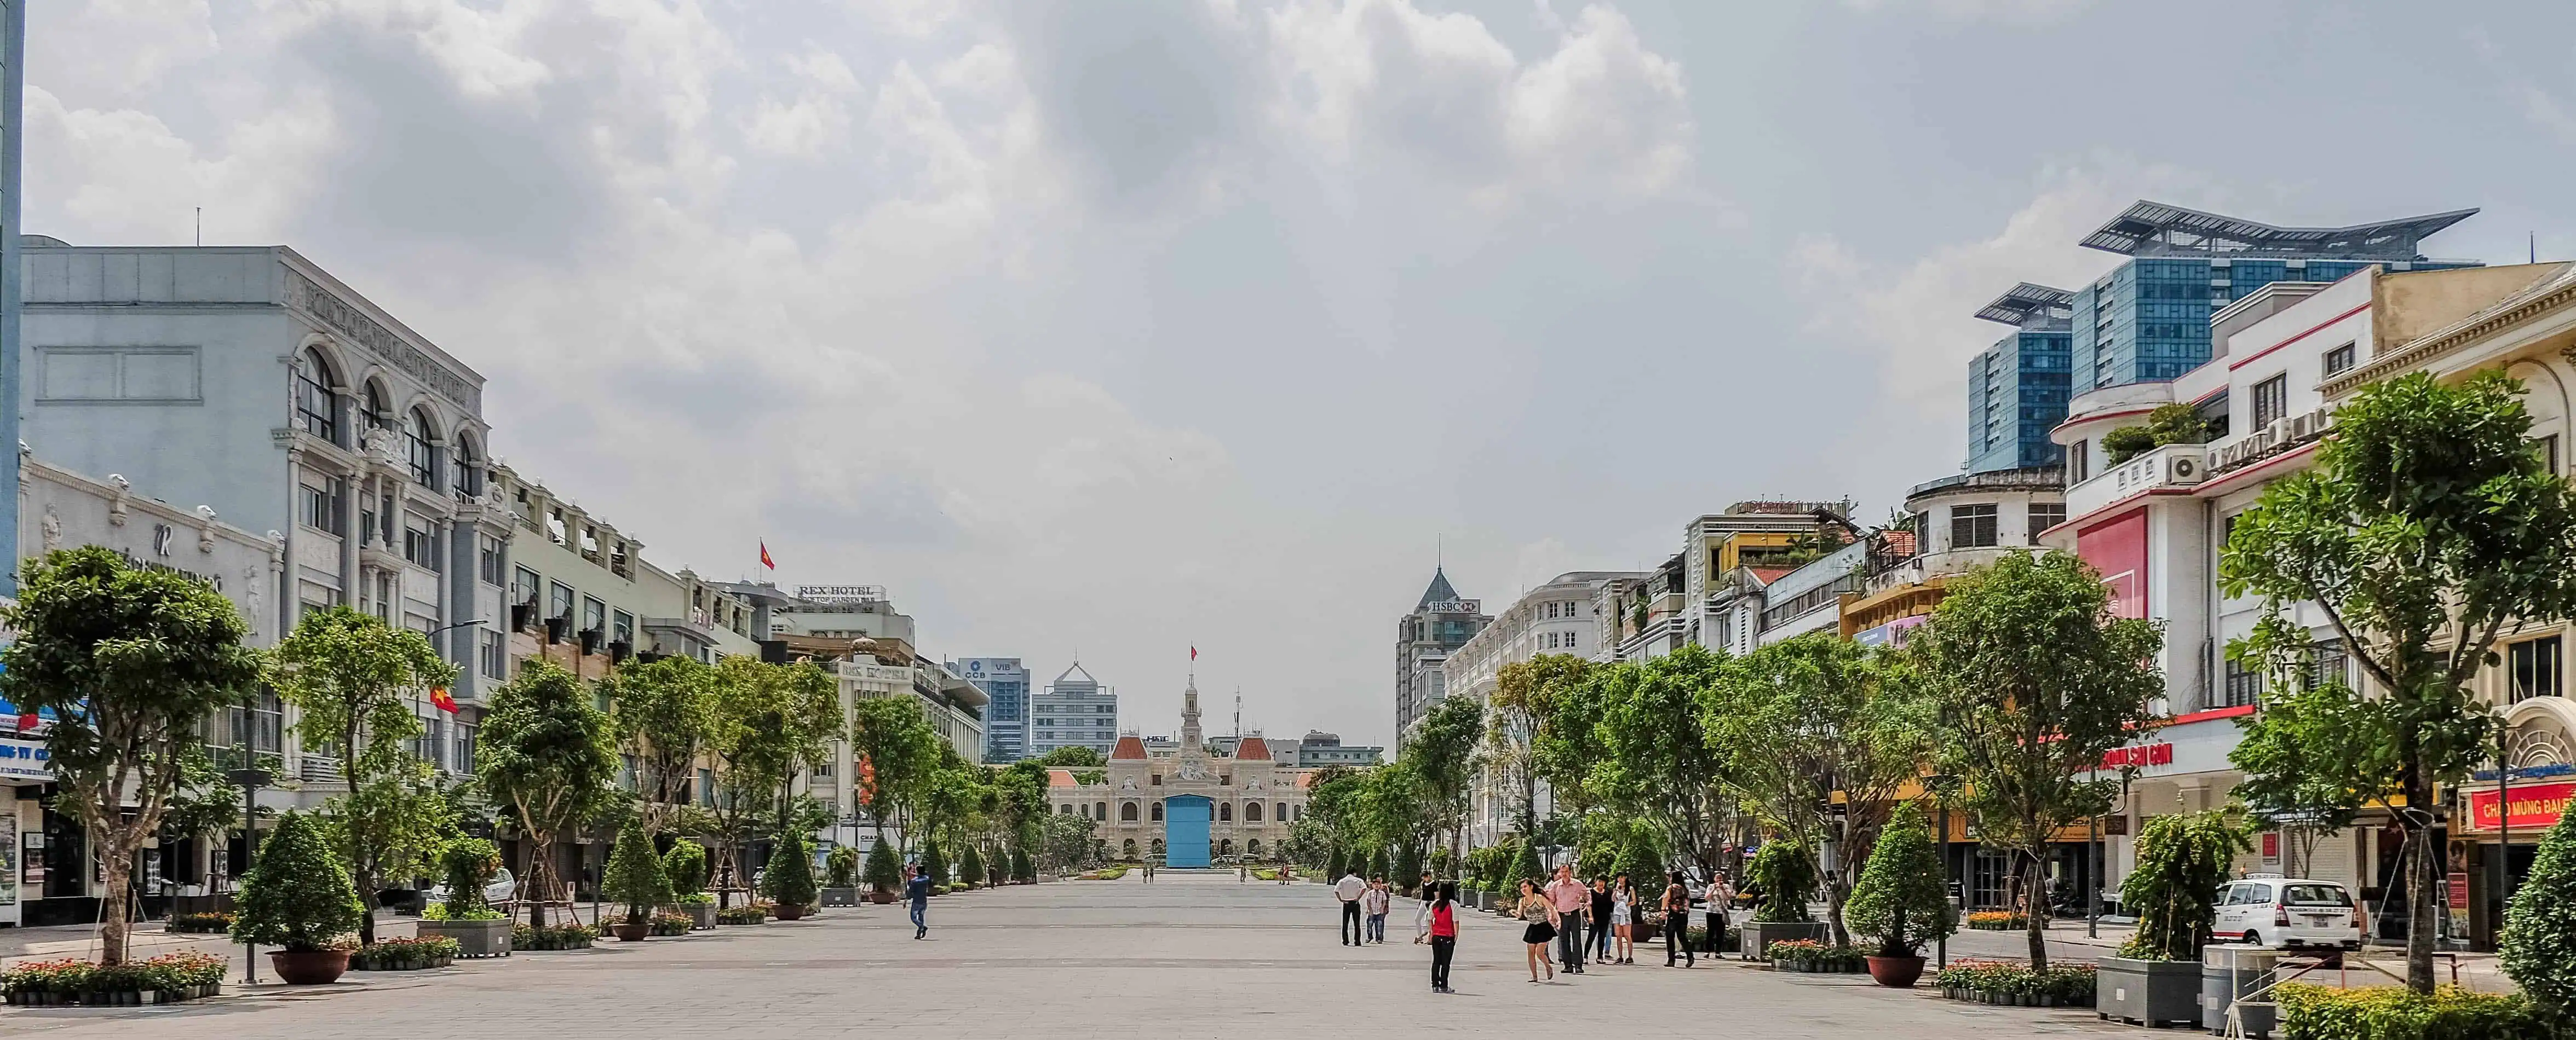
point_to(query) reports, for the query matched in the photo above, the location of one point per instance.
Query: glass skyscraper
(1006, 718)
(2017, 389)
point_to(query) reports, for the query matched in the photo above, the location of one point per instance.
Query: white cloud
(122, 175)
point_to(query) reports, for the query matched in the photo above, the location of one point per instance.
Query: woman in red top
(1444, 934)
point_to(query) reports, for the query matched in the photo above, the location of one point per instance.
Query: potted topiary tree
(1023, 869)
(1786, 877)
(789, 881)
(2182, 863)
(466, 915)
(884, 874)
(841, 877)
(934, 862)
(635, 881)
(686, 867)
(298, 896)
(970, 867)
(1901, 899)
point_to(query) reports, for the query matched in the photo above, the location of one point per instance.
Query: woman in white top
(1623, 904)
(1720, 895)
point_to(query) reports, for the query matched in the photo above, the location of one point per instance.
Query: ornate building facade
(1191, 806)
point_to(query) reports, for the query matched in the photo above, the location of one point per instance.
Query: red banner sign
(2534, 805)
(2141, 756)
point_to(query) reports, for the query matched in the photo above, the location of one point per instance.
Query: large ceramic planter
(630, 932)
(473, 938)
(1895, 972)
(841, 897)
(702, 916)
(788, 912)
(880, 896)
(2147, 993)
(309, 967)
(1759, 935)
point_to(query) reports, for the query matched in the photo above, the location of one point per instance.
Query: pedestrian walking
(1677, 922)
(1623, 910)
(1443, 907)
(1541, 915)
(1571, 900)
(916, 890)
(1600, 910)
(1720, 895)
(1375, 903)
(1422, 911)
(1349, 890)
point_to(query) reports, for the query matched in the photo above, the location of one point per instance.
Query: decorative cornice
(2439, 344)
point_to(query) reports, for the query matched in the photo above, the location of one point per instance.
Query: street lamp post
(1939, 785)
(250, 780)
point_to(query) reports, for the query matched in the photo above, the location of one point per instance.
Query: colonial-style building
(1189, 807)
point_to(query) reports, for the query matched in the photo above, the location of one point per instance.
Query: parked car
(2287, 914)
(503, 888)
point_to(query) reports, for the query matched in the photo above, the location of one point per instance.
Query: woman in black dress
(1541, 915)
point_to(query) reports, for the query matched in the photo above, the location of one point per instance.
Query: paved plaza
(1189, 956)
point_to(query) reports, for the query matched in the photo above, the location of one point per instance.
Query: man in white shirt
(1349, 890)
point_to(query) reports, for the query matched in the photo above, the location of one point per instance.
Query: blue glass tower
(2017, 389)
(1006, 718)
(2148, 319)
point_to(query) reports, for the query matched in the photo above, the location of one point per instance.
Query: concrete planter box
(2148, 993)
(1757, 936)
(702, 916)
(473, 938)
(841, 896)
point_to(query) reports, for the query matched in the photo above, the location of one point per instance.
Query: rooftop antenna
(201, 225)
(1238, 713)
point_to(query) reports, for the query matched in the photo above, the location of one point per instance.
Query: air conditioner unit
(2185, 469)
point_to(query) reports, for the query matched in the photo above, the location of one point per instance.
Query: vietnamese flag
(765, 561)
(440, 699)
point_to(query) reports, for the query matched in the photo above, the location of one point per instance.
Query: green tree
(2035, 681)
(130, 662)
(1568, 739)
(1520, 706)
(2426, 526)
(901, 753)
(771, 722)
(884, 874)
(2540, 930)
(1021, 794)
(1023, 869)
(1902, 899)
(635, 879)
(1787, 875)
(545, 752)
(970, 864)
(789, 880)
(934, 861)
(1067, 844)
(1526, 863)
(2313, 759)
(1071, 757)
(842, 867)
(1657, 760)
(297, 894)
(1443, 753)
(665, 711)
(685, 863)
(357, 683)
(469, 864)
(2171, 423)
(1804, 719)
(2182, 863)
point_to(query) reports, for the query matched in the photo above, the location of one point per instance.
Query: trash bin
(2228, 973)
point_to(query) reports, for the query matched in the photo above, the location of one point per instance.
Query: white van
(2287, 914)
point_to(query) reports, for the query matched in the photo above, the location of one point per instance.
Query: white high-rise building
(1073, 711)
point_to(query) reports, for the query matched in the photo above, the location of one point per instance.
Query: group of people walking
(1558, 912)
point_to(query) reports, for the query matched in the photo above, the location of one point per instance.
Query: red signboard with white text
(2118, 549)
(2535, 806)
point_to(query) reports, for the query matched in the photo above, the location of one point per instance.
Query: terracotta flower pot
(789, 911)
(880, 896)
(1896, 972)
(630, 932)
(309, 967)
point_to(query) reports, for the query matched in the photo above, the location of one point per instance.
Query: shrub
(1996, 921)
(1810, 955)
(208, 923)
(470, 865)
(1901, 898)
(753, 914)
(971, 865)
(187, 968)
(884, 874)
(297, 894)
(2310, 1012)
(404, 954)
(1022, 867)
(67, 975)
(1525, 864)
(790, 877)
(2171, 423)
(559, 937)
(2182, 863)
(635, 875)
(2539, 948)
(934, 862)
(667, 925)
(686, 866)
(843, 866)
(1787, 877)
(2061, 984)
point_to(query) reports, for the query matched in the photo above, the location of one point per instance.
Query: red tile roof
(1130, 746)
(1252, 747)
(1767, 575)
(1061, 778)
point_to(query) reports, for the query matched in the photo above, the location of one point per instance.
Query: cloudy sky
(1114, 328)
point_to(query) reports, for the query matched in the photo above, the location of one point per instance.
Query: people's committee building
(1191, 806)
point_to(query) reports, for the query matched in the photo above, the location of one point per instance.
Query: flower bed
(556, 937)
(202, 924)
(169, 978)
(2310, 1012)
(667, 925)
(2013, 983)
(1808, 955)
(757, 913)
(1107, 874)
(404, 954)
(1995, 921)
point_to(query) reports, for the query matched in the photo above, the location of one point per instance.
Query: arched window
(1225, 812)
(421, 448)
(1225, 847)
(1252, 846)
(1158, 846)
(1100, 811)
(1252, 812)
(1280, 812)
(1158, 811)
(380, 412)
(1127, 848)
(469, 465)
(1126, 812)
(1064, 808)
(317, 405)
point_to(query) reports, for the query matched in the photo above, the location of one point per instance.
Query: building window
(2548, 448)
(2271, 401)
(622, 628)
(1972, 527)
(2329, 665)
(1252, 812)
(1225, 812)
(469, 468)
(2079, 462)
(493, 655)
(321, 508)
(420, 547)
(2045, 515)
(488, 560)
(594, 615)
(559, 602)
(464, 748)
(2536, 668)
(1158, 812)
(2244, 685)
(420, 446)
(523, 587)
(316, 408)
(2339, 360)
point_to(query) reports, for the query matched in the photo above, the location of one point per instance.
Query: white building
(1073, 711)
(1554, 618)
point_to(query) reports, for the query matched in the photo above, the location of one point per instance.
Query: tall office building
(1073, 711)
(2148, 319)
(2017, 389)
(13, 83)
(1440, 623)
(1006, 718)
